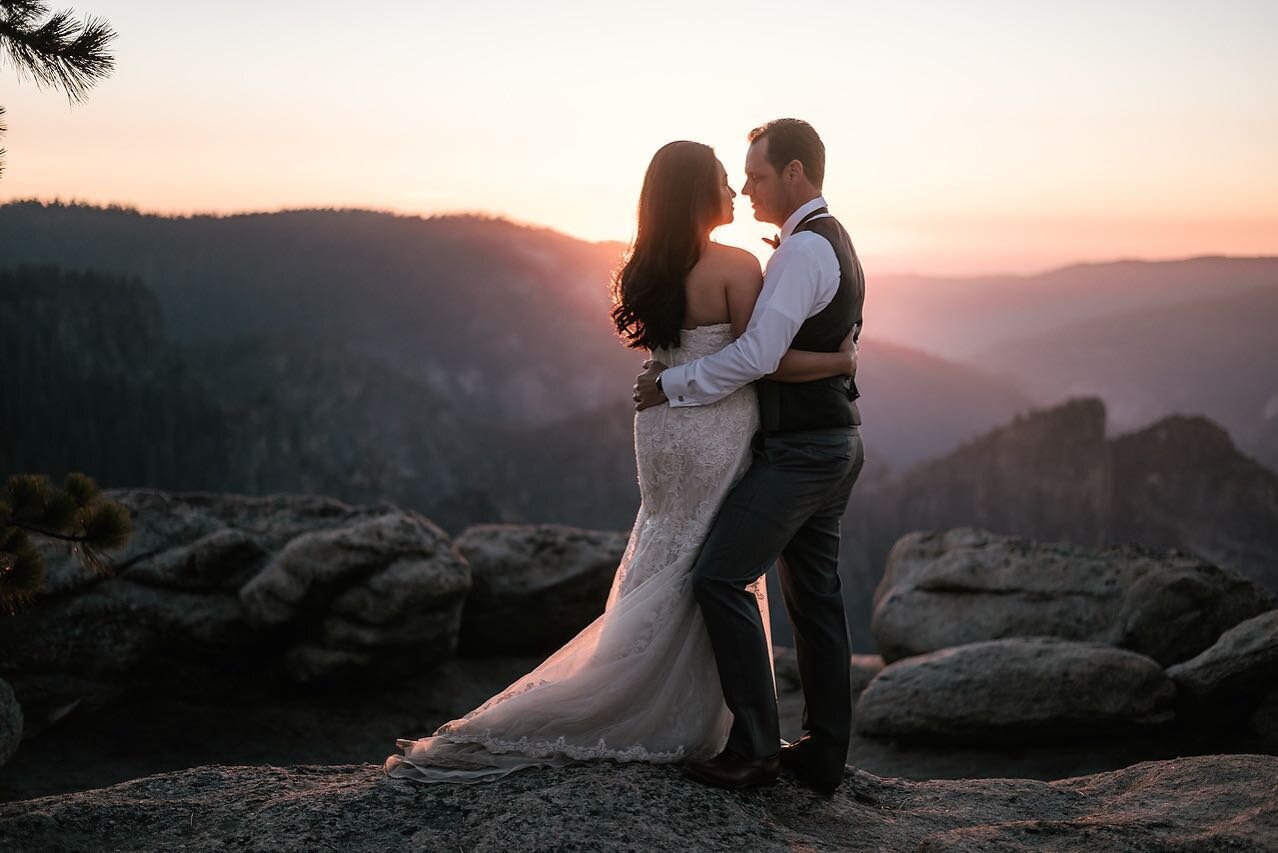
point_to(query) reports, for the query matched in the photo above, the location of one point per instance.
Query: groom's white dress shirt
(801, 279)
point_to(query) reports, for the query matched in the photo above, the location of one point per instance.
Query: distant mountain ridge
(480, 311)
(1216, 356)
(960, 317)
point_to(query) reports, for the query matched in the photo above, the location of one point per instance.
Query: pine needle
(60, 51)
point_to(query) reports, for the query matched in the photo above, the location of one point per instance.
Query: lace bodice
(695, 343)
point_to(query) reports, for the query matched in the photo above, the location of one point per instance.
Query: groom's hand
(647, 394)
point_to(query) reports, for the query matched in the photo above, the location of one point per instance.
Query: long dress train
(639, 683)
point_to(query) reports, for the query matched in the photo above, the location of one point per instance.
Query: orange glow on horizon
(975, 140)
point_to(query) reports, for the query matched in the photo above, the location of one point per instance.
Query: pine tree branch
(87, 554)
(50, 533)
(60, 52)
(23, 11)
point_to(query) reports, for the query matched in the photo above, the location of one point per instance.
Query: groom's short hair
(793, 139)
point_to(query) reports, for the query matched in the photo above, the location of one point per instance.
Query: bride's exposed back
(639, 683)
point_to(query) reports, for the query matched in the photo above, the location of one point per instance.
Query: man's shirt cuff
(674, 383)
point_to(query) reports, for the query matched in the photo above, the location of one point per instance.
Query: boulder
(213, 587)
(117, 627)
(10, 722)
(943, 589)
(383, 592)
(534, 586)
(1242, 663)
(201, 540)
(1024, 687)
(1216, 802)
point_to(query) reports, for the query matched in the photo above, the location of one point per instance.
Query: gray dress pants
(786, 509)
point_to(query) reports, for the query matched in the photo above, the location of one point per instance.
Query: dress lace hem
(557, 748)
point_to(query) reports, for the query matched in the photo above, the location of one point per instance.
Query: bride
(639, 683)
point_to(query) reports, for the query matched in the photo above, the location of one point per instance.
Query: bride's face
(726, 195)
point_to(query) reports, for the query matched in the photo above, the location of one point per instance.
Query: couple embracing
(747, 442)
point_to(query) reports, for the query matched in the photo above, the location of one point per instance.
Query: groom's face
(763, 185)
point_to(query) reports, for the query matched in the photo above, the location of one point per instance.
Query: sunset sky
(962, 137)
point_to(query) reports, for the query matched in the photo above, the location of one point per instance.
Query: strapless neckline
(706, 326)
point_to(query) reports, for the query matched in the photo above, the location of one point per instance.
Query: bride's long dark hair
(680, 202)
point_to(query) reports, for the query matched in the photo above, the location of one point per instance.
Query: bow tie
(774, 241)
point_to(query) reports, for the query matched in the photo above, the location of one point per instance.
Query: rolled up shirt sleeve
(794, 289)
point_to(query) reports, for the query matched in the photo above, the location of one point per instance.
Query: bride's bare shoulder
(734, 260)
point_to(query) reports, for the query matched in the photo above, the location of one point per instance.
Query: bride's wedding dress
(639, 683)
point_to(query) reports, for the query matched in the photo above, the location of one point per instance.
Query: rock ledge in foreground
(1208, 802)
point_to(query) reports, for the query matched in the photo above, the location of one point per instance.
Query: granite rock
(1242, 663)
(534, 586)
(944, 589)
(217, 588)
(1019, 688)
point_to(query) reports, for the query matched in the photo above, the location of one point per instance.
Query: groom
(806, 457)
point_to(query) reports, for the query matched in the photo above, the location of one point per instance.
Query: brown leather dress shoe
(726, 770)
(816, 766)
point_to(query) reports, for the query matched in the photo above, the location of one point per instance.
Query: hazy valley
(465, 368)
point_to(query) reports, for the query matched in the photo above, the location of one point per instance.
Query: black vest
(789, 406)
